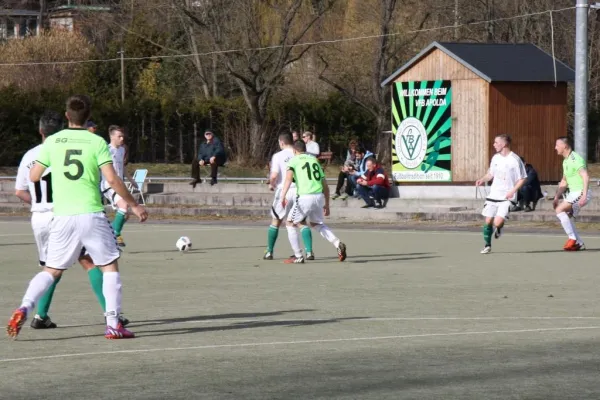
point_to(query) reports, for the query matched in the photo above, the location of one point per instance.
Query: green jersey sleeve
(44, 155)
(103, 154)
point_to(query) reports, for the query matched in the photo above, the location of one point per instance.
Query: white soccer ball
(183, 243)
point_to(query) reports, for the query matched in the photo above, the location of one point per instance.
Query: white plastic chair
(139, 176)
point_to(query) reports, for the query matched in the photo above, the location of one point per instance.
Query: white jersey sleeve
(41, 191)
(118, 158)
(279, 165)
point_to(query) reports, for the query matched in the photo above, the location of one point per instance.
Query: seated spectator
(374, 185)
(349, 165)
(531, 191)
(360, 167)
(211, 152)
(295, 136)
(312, 147)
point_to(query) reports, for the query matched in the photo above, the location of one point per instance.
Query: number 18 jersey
(308, 174)
(41, 192)
(75, 156)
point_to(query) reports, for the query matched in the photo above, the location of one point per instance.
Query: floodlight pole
(581, 78)
(122, 53)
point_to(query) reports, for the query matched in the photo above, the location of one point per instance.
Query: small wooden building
(452, 99)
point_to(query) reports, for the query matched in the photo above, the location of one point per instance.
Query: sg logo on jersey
(411, 142)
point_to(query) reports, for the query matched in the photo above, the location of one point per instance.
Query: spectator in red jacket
(374, 185)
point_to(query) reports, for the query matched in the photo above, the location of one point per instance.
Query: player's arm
(486, 178)
(516, 188)
(326, 194)
(118, 186)
(35, 175)
(583, 172)
(562, 187)
(274, 174)
(21, 184)
(129, 177)
(289, 176)
(24, 195)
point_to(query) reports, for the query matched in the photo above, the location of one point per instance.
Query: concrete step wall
(403, 192)
(265, 200)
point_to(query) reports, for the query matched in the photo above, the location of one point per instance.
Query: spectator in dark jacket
(531, 191)
(211, 152)
(374, 185)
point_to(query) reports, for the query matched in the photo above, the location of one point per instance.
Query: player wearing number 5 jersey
(312, 202)
(39, 195)
(76, 157)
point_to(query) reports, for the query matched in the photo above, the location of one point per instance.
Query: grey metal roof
(506, 62)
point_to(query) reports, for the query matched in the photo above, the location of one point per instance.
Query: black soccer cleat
(124, 321)
(42, 323)
(341, 250)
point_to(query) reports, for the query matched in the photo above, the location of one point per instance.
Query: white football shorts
(69, 234)
(40, 223)
(573, 199)
(308, 206)
(278, 211)
(492, 209)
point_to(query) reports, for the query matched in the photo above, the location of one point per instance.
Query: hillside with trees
(249, 69)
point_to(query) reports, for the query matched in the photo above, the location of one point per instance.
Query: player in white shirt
(508, 173)
(117, 151)
(39, 195)
(278, 211)
(312, 147)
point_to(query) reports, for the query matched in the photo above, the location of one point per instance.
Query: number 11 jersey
(75, 156)
(41, 192)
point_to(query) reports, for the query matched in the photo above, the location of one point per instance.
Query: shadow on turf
(16, 244)
(363, 259)
(193, 250)
(217, 316)
(546, 251)
(242, 325)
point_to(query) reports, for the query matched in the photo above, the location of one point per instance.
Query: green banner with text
(422, 131)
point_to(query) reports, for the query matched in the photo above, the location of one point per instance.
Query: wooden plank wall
(470, 147)
(470, 157)
(436, 65)
(534, 114)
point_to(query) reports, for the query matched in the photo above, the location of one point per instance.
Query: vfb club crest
(411, 143)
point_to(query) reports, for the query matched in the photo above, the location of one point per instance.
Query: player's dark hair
(360, 149)
(566, 140)
(372, 159)
(50, 123)
(79, 108)
(300, 146)
(114, 128)
(506, 137)
(286, 138)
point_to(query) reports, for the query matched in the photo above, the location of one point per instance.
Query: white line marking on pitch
(377, 319)
(316, 341)
(339, 319)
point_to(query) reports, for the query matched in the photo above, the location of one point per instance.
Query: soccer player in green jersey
(77, 157)
(278, 211)
(577, 180)
(312, 202)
